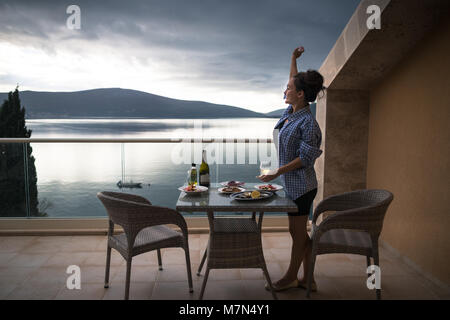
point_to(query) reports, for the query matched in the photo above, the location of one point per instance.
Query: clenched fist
(298, 52)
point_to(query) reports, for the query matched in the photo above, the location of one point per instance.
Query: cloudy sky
(220, 51)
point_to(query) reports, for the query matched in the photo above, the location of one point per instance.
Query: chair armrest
(133, 216)
(130, 197)
(328, 204)
(362, 219)
(339, 202)
(360, 210)
(140, 216)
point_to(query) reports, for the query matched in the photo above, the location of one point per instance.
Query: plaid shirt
(300, 137)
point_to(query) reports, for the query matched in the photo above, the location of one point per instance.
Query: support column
(343, 116)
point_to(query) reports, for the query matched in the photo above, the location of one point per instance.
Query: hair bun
(311, 82)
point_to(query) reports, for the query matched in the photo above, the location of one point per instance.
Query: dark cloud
(219, 41)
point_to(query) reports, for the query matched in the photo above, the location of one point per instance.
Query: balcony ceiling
(361, 57)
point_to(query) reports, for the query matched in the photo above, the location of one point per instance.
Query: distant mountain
(120, 103)
(276, 113)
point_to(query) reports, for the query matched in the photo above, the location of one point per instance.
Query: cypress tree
(12, 165)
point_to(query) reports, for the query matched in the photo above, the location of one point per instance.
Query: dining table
(234, 239)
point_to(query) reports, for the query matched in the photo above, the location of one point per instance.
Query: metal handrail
(136, 140)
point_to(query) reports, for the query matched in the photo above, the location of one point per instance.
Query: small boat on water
(130, 184)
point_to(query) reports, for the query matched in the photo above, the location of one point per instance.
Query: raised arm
(295, 55)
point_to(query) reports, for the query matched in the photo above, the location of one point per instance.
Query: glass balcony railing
(59, 178)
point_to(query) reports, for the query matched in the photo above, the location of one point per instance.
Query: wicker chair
(354, 228)
(234, 243)
(145, 230)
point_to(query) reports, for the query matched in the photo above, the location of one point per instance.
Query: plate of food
(230, 190)
(232, 183)
(192, 189)
(251, 195)
(269, 187)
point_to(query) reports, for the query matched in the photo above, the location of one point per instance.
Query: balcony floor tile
(35, 268)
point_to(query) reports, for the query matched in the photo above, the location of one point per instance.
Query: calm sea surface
(71, 174)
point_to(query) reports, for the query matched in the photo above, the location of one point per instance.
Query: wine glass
(265, 167)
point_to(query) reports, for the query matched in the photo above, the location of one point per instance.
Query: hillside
(275, 113)
(120, 103)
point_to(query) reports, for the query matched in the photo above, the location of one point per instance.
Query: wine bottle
(193, 175)
(204, 171)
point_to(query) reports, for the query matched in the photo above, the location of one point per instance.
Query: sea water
(70, 174)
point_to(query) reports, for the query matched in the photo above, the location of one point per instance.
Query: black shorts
(304, 203)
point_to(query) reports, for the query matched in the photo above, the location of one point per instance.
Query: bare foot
(283, 282)
(303, 283)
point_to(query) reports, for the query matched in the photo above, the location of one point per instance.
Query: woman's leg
(306, 262)
(300, 238)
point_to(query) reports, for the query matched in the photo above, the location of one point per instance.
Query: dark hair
(311, 82)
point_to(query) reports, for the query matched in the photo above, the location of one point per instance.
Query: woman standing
(299, 140)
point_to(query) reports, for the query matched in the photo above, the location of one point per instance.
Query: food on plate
(231, 189)
(233, 183)
(255, 194)
(191, 188)
(252, 195)
(268, 187)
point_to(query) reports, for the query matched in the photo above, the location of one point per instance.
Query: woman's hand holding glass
(268, 177)
(266, 174)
